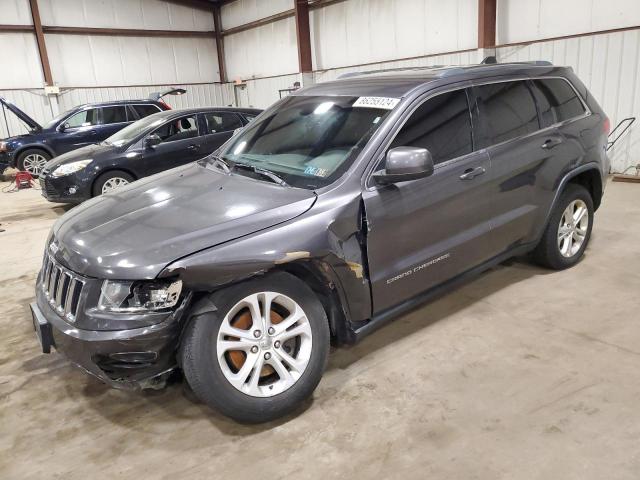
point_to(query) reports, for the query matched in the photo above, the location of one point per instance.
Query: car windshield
(57, 119)
(308, 141)
(133, 131)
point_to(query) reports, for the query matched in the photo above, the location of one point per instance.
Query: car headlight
(69, 168)
(133, 297)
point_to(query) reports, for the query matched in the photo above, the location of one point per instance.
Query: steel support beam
(303, 34)
(42, 47)
(127, 32)
(486, 23)
(217, 22)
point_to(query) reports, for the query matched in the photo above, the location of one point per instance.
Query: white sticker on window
(377, 102)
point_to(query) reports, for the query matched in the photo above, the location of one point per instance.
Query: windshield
(57, 119)
(308, 141)
(133, 131)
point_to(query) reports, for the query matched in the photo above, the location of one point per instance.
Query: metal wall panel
(38, 106)
(263, 92)
(244, 11)
(525, 20)
(147, 14)
(15, 12)
(363, 31)
(609, 65)
(21, 62)
(263, 51)
(95, 60)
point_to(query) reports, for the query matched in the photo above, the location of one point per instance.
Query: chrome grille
(62, 288)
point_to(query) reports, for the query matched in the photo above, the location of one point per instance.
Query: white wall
(263, 51)
(362, 31)
(525, 20)
(144, 14)
(100, 60)
(245, 11)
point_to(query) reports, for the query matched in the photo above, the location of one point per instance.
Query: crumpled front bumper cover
(127, 359)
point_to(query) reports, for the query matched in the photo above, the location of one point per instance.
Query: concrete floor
(523, 373)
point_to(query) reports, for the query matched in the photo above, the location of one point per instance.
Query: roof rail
(396, 69)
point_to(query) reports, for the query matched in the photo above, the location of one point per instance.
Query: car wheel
(33, 161)
(261, 353)
(110, 181)
(569, 230)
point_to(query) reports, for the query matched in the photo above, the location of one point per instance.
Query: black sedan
(158, 142)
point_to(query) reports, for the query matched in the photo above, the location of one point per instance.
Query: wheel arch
(590, 179)
(34, 146)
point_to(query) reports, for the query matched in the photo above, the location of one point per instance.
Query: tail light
(606, 126)
(169, 108)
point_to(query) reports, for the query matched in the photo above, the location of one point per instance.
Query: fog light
(73, 190)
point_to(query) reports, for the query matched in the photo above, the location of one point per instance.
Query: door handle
(550, 143)
(93, 132)
(193, 147)
(471, 173)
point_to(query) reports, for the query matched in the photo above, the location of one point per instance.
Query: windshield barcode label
(377, 102)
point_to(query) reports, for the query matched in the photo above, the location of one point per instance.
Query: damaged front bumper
(132, 359)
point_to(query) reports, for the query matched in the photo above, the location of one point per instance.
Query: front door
(424, 232)
(218, 127)
(78, 130)
(181, 143)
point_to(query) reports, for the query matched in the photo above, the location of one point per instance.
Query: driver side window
(442, 125)
(85, 118)
(180, 129)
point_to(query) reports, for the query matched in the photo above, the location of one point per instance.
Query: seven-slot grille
(62, 288)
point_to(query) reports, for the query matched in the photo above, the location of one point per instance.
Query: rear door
(521, 155)
(424, 232)
(218, 127)
(181, 143)
(112, 119)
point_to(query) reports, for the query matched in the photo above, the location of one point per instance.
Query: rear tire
(110, 181)
(32, 160)
(568, 231)
(270, 363)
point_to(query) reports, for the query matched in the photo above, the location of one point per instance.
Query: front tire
(33, 161)
(569, 230)
(110, 181)
(261, 353)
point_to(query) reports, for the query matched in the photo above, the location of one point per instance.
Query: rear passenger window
(442, 125)
(219, 122)
(114, 115)
(508, 111)
(557, 101)
(144, 110)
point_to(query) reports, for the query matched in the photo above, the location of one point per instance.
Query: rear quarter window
(508, 111)
(557, 101)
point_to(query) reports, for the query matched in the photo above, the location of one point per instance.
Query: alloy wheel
(113, 184)
(34, 163)
(264, 344)
(573, 228)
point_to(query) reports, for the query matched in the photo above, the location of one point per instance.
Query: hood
(82, 153)
(31, 123)
(135, 232)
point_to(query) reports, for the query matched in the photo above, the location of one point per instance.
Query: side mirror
(237, 131)
(64, 126)
(152, 140)
(405, 163)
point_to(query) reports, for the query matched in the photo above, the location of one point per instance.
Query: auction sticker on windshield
(385, 103)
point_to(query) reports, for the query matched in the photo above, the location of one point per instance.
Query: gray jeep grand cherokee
(338, 208)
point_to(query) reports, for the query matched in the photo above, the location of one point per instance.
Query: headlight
(69, 168)
(133, 297)
(3, 146)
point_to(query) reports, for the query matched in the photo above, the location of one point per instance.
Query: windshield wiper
(264, 172)
(219, 161)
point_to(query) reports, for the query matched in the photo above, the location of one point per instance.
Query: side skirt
(385, 317)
